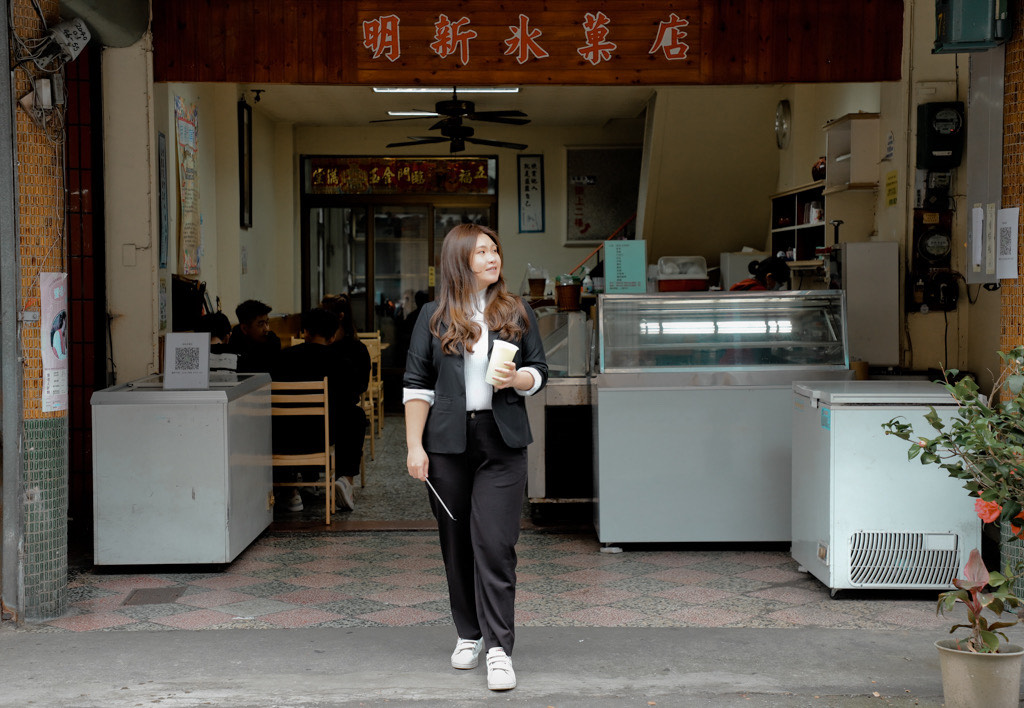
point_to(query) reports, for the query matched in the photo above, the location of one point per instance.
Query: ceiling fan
(452, 129)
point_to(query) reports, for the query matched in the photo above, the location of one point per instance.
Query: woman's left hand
(506, 376)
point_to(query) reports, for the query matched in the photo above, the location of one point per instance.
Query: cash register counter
(692, 408)
(181, 476)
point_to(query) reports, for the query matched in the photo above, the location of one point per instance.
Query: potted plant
(980, 670)
(983, 445)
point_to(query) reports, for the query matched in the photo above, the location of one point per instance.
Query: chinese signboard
(531, 193)
(595, 36)
(529, 42)
(609, 42)
(387, 175)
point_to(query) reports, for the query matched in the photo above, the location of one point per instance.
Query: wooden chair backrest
(301, 398)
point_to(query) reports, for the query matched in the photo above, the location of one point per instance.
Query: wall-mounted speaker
(941, 128)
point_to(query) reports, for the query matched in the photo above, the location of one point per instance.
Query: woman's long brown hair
(451, 323)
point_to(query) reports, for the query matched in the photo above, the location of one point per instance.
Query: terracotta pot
(971, 680)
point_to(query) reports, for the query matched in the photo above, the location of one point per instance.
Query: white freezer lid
(874, 393)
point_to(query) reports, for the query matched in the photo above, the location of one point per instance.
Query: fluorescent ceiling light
(441, 89)
(413, 114)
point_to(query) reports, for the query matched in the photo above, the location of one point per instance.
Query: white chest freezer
(180, 476)
(864, 516)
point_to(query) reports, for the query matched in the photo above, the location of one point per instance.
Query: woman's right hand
(417, 463)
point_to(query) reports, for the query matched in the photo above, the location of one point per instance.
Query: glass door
(401, 260)
(337, 254)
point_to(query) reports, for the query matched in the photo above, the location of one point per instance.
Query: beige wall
(132, 233)
(269, 259)
(713, 164)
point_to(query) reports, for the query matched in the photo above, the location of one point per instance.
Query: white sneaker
(295, 503)
(500, 676)
(343, 494)
(467, 653)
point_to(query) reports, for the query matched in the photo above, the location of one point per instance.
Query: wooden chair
(366, 402)
(376, 388)
(309, 399)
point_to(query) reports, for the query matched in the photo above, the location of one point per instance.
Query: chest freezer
(180, 476)
(864, 516)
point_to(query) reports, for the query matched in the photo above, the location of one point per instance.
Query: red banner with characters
(396, 175)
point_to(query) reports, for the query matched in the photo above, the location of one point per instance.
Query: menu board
(625, 267)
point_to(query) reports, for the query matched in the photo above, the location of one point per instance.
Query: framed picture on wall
(531, 193)
(244, 164)
(602, 191)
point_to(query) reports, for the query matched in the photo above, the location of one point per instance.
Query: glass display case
(722, 331)
(698, 388)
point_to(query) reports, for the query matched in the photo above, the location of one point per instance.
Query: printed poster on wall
(53, 329)
(186, 120)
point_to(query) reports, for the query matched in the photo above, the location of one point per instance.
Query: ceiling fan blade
(417, 141)
(485, 117)
(391, 120)
(496, 143)
(505, 114)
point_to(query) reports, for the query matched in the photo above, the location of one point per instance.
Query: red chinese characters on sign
(368, 175)
(381, 37)
(670, 38)
(595, 30)
(523, 41)
(450, 37)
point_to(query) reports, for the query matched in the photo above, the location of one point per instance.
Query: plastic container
(682, 273)
(567, 297)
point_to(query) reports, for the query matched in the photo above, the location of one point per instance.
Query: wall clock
(783, 123)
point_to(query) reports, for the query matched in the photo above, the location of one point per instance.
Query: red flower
(987, 511)
(1016, 530)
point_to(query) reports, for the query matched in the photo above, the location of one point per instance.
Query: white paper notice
(187, 360)
(1006, 260)
(977, 237)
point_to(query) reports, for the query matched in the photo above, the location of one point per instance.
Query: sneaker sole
(471, 665)
(501, 686)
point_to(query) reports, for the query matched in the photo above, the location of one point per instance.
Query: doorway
(383, 253)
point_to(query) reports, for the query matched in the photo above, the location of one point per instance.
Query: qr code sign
(186, 358)
(1005, 235)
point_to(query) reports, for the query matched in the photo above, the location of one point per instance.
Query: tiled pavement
(299, 575)
(396, 579)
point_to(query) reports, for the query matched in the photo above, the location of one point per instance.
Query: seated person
(352, 362)
(770, 274)
(219, 327)
(252, 340)
(312, 361)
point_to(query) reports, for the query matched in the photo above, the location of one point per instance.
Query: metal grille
(901, 560)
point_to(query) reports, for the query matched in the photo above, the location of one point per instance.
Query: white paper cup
(501, 353)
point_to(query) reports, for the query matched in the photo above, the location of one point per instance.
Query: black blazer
(427, 367)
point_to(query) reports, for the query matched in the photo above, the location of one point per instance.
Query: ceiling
(356, 106)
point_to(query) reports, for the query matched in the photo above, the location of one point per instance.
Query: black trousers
(483, 487)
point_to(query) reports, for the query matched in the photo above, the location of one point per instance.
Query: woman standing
(470, 438)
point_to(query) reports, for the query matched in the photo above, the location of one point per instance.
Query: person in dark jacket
(251, 339)
(469, 438)
(312, 361)
(352, 367)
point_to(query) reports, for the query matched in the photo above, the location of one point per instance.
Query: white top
(478, 391)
